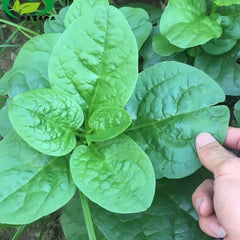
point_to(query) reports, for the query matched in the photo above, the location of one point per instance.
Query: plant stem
(19, 232)
(87, 216)
(19, 27)
(214, 8)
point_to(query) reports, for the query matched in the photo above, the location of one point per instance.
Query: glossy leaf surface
(30, 69)
(171, 216)
(170, 106)
(73, 222)
(96, 60)
(115, 174)
(108, 122)
(163, 47)
(79, 7)
(224, 69)
(228, 39)
(32, 184)
(185, 23)
(47, 120)
(138, 20)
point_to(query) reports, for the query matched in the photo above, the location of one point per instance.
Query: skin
(217, 201)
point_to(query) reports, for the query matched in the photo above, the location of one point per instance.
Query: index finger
(233, 138)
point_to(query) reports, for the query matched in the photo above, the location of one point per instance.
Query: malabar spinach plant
(88, 129)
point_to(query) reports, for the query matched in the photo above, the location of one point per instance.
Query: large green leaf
(47, 120)
(32, 184)
(73, 222)
(79, 8)
(171, 216)
(138, 20)
(96, 60)
(224, 69)
(228, 39)
(30, 69)
(115, 174)
(226, 2)
(170, 106)
(185, 23)
(106, 123)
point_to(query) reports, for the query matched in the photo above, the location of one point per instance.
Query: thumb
(210, 152)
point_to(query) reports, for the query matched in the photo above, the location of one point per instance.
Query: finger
(211, 226)
(210, 152)
(233, 138)
(202, 198)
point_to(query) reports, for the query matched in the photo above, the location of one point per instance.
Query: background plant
(88, 58)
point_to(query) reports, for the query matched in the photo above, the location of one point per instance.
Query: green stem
(19, 232)
(19, 27)
(214, 8)
(87, 216)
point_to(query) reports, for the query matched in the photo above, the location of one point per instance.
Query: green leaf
(170, 106)
(236, 112)
(106, 123)
(228, 39)
(32, 184)
(226, 2)
(73, 222)
(115, 174)
(47, 120)
(97, 63)
(224, 69)
(171, 216)
(57, 25)
(5, 125)
(138, 20)
(185, 23)
(153, 12)
(163, 47)
(30, 69)
(150, 58)
(79, 8)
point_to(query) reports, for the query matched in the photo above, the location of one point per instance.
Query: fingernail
(218, 230)
(204, 139)
(198, 203)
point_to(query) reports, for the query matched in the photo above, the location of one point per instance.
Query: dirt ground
(53, 228)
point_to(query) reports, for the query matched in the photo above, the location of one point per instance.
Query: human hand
(217, 201)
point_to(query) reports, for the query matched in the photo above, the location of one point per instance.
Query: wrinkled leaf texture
(79, 8)
(32, 184)
(106, 123)
(171, 216)
(47, 120)
(226, 2)
(170, 106)
(96, 60)
(115, 174)
(185, 23)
